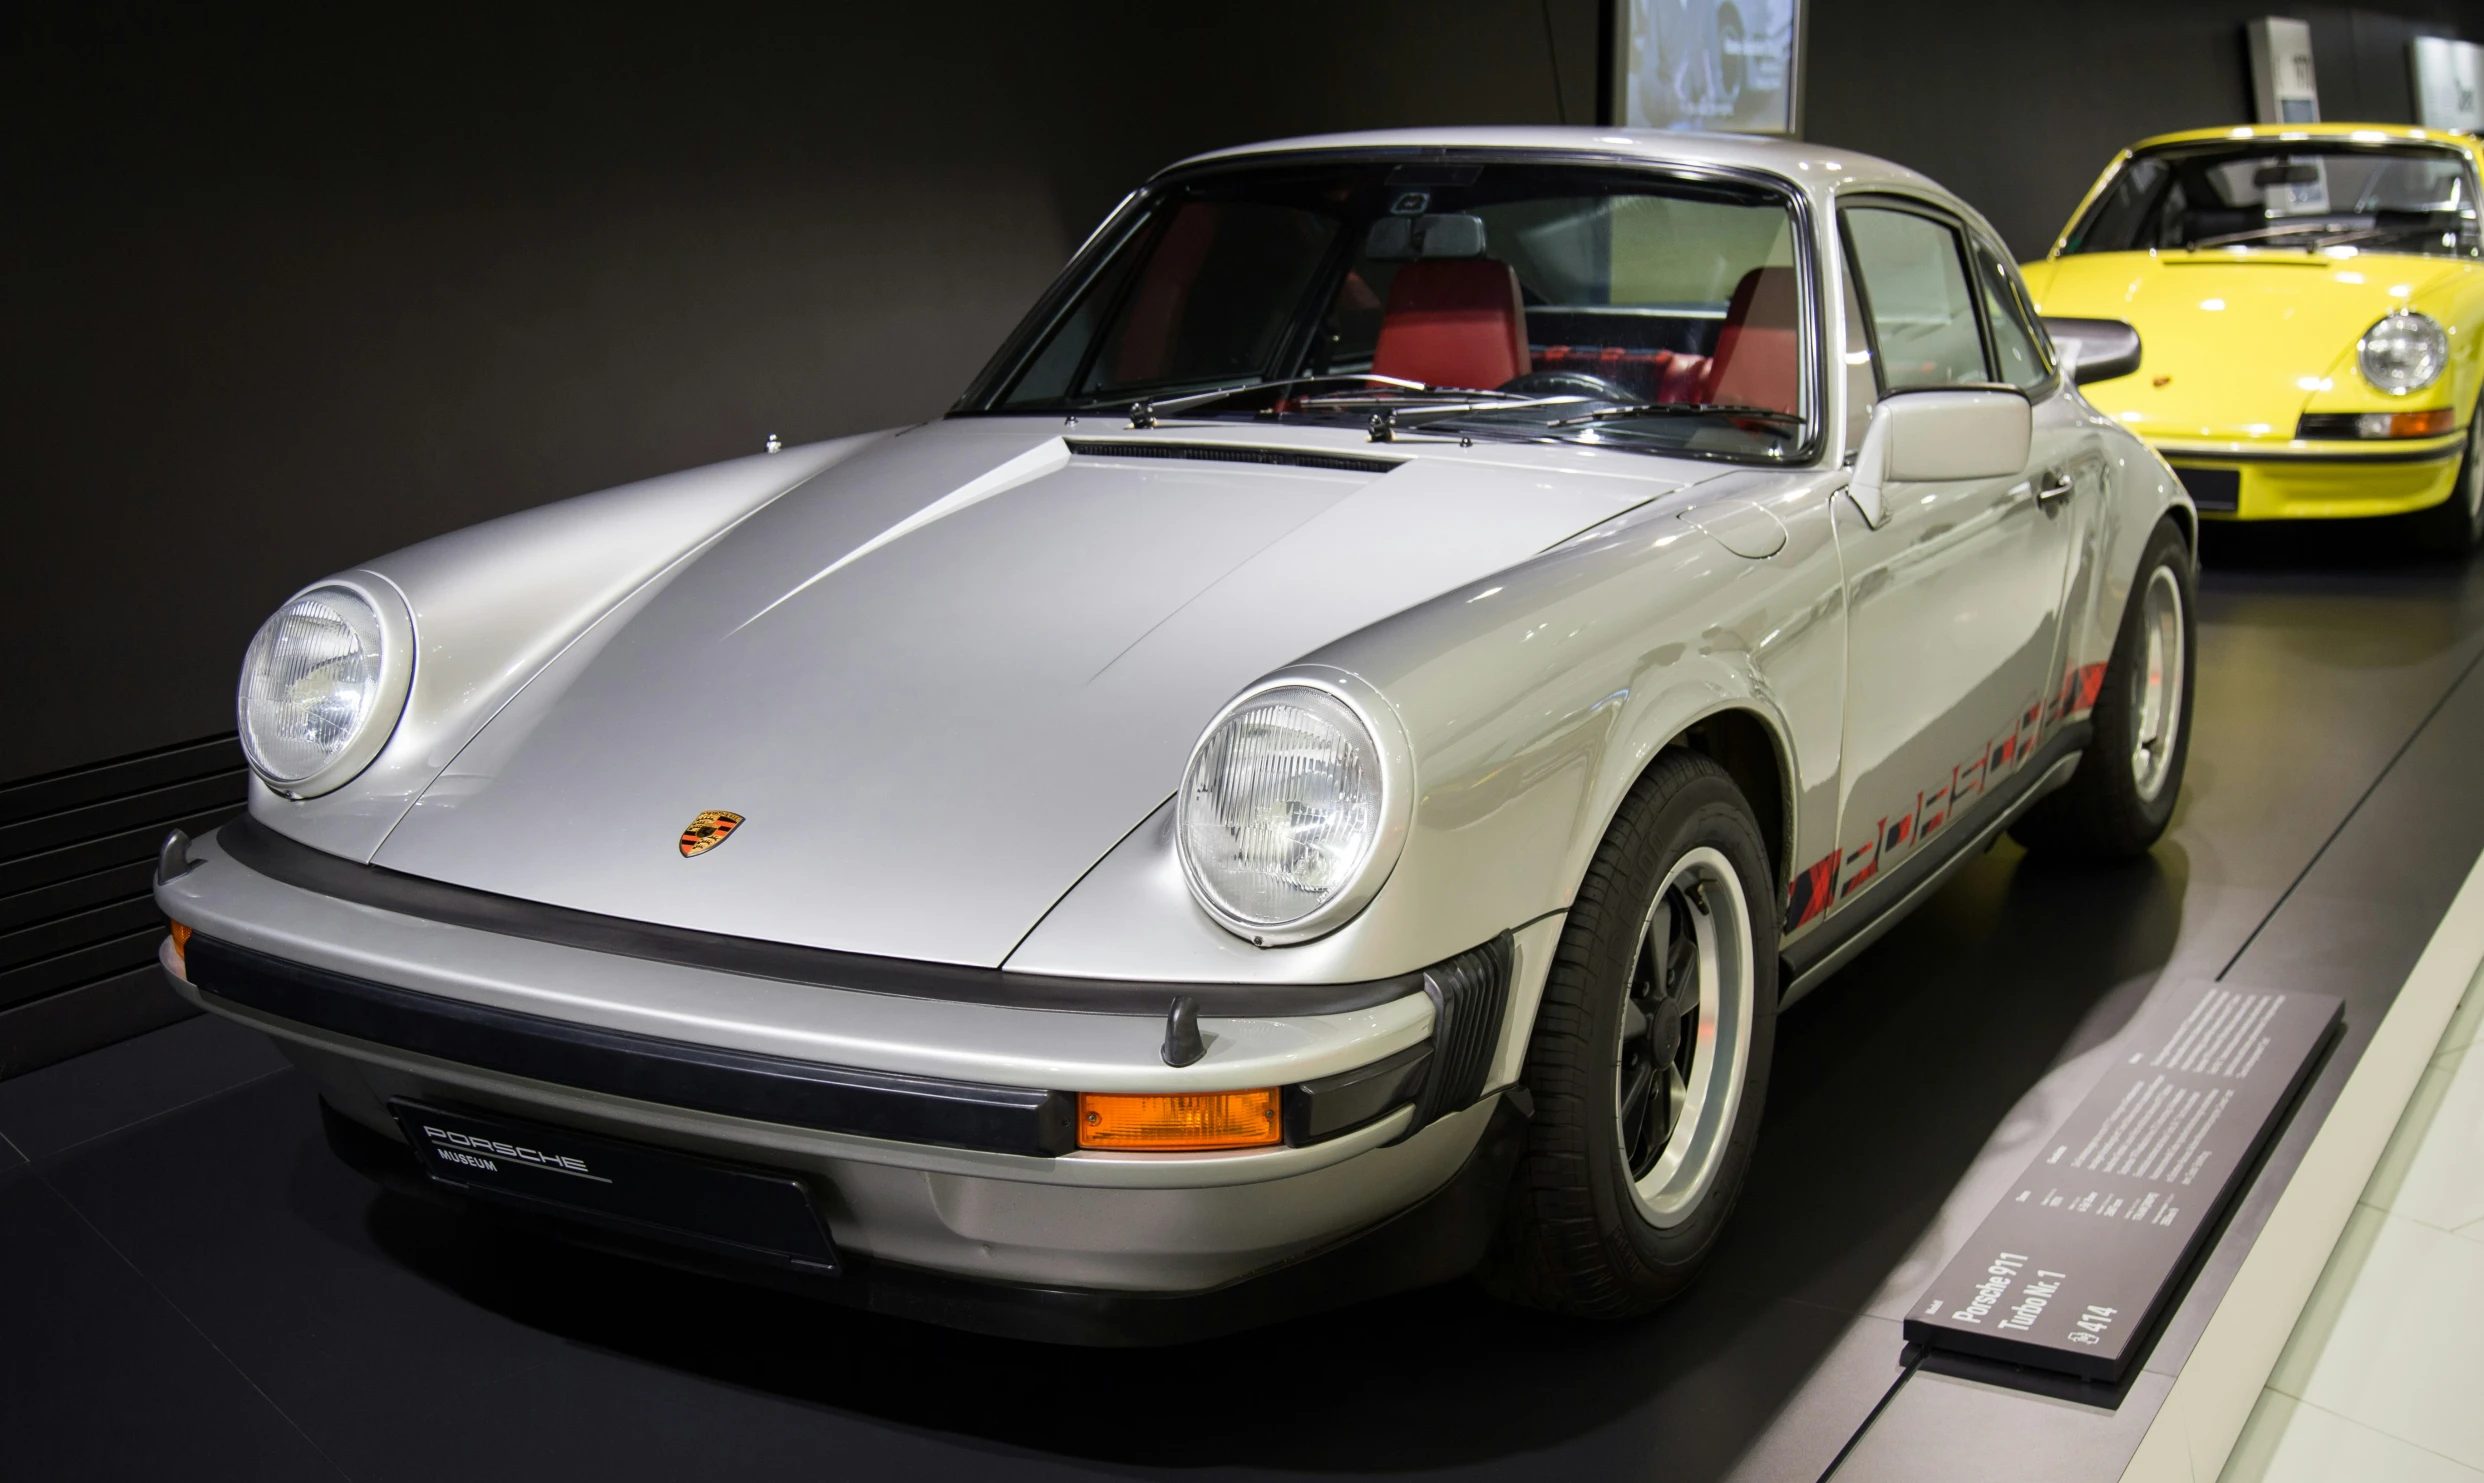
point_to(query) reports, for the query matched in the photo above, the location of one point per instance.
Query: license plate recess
(735, 1209)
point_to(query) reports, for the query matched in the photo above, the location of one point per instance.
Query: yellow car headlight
(2405, 352)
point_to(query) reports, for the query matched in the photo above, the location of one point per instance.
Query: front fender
(2141, 489)
(1532, 700)
(493, 603)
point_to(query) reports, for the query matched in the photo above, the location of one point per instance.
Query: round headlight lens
(1282, 807)
(310, 683)
(2405, 352)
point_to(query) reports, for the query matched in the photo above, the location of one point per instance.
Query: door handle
(2057, 487)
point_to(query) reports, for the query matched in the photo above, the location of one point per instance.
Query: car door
(1954, 596)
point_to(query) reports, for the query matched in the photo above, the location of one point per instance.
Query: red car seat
(1758, 353)
(1453, 322)
(1682, 378)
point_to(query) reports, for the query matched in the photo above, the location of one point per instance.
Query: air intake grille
(1226, 453)
(1467, 992)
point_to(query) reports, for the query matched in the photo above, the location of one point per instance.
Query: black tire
(2455, 527)
(2105, 812)
(1576, 1238)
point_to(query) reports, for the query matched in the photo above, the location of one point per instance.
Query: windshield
(2294, 196)
(1504, 299)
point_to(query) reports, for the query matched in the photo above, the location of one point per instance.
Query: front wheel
(2455, 527)
(2116, 806)
(1649, 1062)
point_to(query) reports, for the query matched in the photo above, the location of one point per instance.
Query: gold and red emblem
(707, 831)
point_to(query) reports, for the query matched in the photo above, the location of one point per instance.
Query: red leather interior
(1758, 352)
(1682, 378)
(1454, 322)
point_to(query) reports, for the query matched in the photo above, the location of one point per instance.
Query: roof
(1820, 166)
(2357, 133)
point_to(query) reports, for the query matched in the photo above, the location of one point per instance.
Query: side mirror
(1940, 433)
(2094, 349)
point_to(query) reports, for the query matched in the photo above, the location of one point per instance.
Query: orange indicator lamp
(1179, 1122)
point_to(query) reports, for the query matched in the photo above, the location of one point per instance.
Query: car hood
(944, 678)
(2231, 347)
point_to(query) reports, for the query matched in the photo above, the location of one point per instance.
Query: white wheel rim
(2156, 685)
(1676, 1089)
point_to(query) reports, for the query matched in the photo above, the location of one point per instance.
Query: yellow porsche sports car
(2309, 300)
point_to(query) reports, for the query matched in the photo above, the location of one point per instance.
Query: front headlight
(2405, 352)
(1292, 811)
(321, 689)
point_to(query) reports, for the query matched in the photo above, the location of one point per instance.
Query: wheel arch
(1752, 753)
(1742, 734)
(2186, 520)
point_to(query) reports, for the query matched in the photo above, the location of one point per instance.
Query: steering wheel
(1571, 383)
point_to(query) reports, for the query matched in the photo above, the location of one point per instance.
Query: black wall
(284, 293)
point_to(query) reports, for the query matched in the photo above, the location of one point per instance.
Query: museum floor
(196, 1288)
(2381, 1375)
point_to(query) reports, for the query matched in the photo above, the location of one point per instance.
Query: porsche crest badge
(707, 831)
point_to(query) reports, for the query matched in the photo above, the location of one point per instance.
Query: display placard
(2071, 1270)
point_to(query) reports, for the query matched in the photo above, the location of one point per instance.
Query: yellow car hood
(2232, 347)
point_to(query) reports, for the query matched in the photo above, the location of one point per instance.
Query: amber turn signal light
(2429, 423)
(2422, 424)
(181, 944)
(1178, 1122)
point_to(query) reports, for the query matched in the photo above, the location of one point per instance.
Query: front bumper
(2236, 481)
(934, 1134)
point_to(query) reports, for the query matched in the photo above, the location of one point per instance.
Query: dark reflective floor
(192, 1286)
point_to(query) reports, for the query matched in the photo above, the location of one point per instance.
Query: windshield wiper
(2322, 229)
(1386, 421)
(1679, 409)
(1396, 392)
(1144, 412)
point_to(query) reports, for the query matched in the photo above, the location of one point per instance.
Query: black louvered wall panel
(78, 924)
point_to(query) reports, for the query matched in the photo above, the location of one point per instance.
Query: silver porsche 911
(1316, 777)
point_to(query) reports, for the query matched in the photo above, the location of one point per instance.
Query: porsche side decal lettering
(2080, 685)
(707, 831)
(1812, 892)
(1850, 869)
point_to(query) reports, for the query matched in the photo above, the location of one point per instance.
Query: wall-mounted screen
(1726, 66)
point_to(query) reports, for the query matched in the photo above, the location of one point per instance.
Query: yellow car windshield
(2293, 196)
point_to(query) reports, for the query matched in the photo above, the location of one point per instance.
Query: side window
(1921, 307)
(2016, 340)
(1862, 381)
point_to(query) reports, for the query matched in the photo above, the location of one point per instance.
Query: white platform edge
(2203, 1415)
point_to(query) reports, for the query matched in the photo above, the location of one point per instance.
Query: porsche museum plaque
(2070, 1271)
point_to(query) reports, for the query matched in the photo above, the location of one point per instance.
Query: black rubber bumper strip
(257, 848)
(768, 1089)
(2180, 456)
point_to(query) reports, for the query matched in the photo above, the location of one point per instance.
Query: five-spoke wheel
(1685, 1035)
(1649, 1060)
